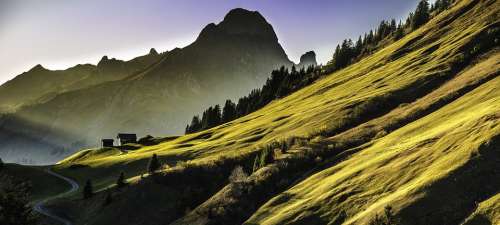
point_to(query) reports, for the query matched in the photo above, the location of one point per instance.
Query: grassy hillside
(423, 169)
(414, 126)
(43, 184)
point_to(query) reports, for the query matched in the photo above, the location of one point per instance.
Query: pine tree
(228, 112)
(1, 164)
(14, 202)
(216, 116)
(370, 37)
(121, 181)
(359, 46)
(393, 26)
(88, 190)
(409, 20)
(399, 33)
(204, 120)
(153, 164)
(195, 126)
(421, 15)
(441, 5)
(109, 198)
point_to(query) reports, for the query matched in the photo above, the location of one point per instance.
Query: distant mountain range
(49, 114)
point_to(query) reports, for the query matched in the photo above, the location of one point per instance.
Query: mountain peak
(241, 22)
(308, 59)
(153, 51)
(103, 60)
(37, 68)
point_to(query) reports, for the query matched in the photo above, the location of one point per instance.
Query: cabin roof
(126, 136)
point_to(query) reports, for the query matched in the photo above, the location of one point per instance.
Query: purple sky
(62, 33)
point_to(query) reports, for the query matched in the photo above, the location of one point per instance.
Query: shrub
(266, 157)
(121, 181)
(88, 190)
(238, 175)
(153, 164)
(14, 202)
(109, 198)
(387, 219)
(255, 164)
(147, 140)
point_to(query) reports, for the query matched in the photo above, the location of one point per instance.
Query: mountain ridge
(231, 62)
(384, 131)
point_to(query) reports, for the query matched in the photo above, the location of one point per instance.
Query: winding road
(40, 206)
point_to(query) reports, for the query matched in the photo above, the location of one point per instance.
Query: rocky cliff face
(308, 59)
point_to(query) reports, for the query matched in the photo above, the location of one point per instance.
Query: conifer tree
(1, 164)
(109, 198)
(399, 33)
(88, 190)
(228, 112)
(121, 181)
(370, 37)
(359, 46)
(195, 125)
(14, 202)
(421, 15)
(216, 116)
(393, 25)
(153, 164)
(440, 5)
(204, 119)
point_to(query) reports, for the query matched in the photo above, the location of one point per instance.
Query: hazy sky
(62, 33)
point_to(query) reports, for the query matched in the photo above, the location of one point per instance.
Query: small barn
(107, 143)
(124, 138)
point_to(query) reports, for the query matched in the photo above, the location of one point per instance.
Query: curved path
(40, 208)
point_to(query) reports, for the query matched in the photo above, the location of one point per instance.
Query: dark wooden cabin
(107, 143)
(126, 138)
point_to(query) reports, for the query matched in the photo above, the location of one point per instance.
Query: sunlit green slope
(429, 55)
(443, 158)
(418, 124)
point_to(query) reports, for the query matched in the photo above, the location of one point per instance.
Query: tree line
(387, 32)
(283, 81)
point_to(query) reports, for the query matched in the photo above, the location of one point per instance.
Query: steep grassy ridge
(424, 169)
(488, 211)
(331, 101)
(417, 122)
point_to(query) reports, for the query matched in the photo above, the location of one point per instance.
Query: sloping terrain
(423, 169)
(226, 61)
(414, 126)
(26, 137)
(43, 185)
